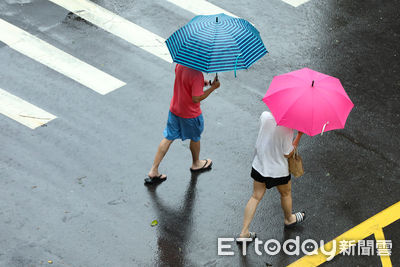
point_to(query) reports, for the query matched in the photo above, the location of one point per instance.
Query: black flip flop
(204, 168)
(299, 219)
(154, 180)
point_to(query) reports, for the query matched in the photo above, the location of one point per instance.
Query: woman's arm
(297, 139)
(295, 144)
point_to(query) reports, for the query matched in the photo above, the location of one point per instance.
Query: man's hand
(215, 84)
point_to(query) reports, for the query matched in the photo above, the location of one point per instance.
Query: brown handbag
(296, 164)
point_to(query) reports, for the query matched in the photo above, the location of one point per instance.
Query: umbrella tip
(312, 85)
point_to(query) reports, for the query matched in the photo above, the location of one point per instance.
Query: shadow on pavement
(175, 225)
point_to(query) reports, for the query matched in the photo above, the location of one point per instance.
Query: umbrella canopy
(216, 43)
(308, 101)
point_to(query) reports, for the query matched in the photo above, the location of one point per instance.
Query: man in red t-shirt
(185, 120)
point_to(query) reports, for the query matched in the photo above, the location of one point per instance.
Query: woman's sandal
(252, 235)
(300, 217)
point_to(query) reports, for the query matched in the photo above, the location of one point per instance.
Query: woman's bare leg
(250, 210)
(286, 202)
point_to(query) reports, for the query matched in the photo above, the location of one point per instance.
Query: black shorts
(269, 181)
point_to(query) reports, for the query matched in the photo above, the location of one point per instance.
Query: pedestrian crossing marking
(295, 3)
(372, 226)
(200, 7)
(57, 59)
(118, 26)
(22, 111)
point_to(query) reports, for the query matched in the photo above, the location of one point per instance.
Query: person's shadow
(175, 226)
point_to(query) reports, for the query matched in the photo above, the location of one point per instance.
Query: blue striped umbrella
(216, 43)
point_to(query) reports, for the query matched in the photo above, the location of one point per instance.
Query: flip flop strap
(205, 164)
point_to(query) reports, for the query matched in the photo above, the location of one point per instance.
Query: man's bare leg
(197, 163)
(162, 150)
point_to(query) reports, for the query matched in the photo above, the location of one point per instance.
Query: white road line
(22, 111)
(57, 59)
(295, 3)
(200, 7)
(118, 26)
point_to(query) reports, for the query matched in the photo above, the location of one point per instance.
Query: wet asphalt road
(73, 192)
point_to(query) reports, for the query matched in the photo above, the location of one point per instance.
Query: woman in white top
(270, 168)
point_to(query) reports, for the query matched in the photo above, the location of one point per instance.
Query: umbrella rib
(240, 48)
(186, 31)
(337, 115)
(283, 89)
(295, 77)
(209, 62)
(294, 102)
(236, 41)
(212, 48)
(312, 113)
(341, 93)
(344, 94)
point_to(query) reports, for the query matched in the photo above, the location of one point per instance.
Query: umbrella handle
(323, 128)
(216, 79)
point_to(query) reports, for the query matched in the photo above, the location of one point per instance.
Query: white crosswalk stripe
(57, 59)
(118, 26)
(295, 3)
(200, 7)
(22, 111)
(101, 82)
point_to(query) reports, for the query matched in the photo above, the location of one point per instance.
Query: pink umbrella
(308, 101)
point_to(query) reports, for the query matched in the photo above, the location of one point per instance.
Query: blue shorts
(182, 128)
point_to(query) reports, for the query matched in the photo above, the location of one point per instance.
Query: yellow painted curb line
(371, 226)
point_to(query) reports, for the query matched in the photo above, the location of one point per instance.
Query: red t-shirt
(188, 83)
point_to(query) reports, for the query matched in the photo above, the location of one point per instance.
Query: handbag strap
(295, 153)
